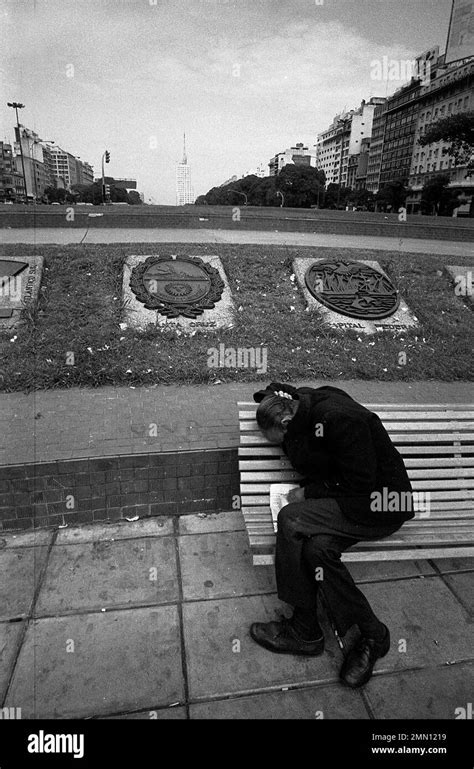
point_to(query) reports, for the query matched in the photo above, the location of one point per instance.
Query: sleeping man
(348, 463)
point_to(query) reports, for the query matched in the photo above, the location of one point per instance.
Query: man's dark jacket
(343, 451)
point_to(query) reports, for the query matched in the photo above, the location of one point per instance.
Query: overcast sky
(244, 78)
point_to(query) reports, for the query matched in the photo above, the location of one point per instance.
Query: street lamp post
(240, 193)
(16, 106)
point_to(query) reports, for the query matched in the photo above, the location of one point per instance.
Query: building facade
(399, 134)
(297, 155)
(357, 166)
(12, 185)
(36, 172)
(184, 190)
(374, 160)
(343, 139)
(395, 154)
(451, 92)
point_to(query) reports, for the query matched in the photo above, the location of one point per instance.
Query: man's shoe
(359, 663)
(282, 638)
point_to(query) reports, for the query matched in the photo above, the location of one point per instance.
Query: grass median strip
(80, 309)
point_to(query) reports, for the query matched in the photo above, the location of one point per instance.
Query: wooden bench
(437, 444)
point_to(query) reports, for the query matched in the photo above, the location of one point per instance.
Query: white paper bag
(279, 498)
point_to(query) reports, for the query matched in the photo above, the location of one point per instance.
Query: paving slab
(122, 661)
(424, 614)
(223, 659)
(95, 575)
(10, 635)
(445, 565)
(162, 714)
(205, 523)
(435, 692)
(102, 532)
(387, 570)
(219, 565)
(319, 702)
(26, 539)
(20, 571)
(462, 585)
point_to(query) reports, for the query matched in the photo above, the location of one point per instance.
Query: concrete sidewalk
(75, 423)
(150, 620)
(64, 236)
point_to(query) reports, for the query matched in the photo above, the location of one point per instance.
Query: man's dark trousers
(311, 536)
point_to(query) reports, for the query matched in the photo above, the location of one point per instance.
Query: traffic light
(107, 156)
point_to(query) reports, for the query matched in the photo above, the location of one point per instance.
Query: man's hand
(296, 495)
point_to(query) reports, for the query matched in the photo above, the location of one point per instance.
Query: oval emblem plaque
(353, 288)
(183, 286)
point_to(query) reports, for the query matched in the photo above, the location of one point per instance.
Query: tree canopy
(301, 187)
(392, 195)
(437, 198)
(458, 131)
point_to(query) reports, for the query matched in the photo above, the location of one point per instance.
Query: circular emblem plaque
(183, 286)
(353, 288)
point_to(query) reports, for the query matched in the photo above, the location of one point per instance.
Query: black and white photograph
(236, 376)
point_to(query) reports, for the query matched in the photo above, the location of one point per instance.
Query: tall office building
(344, 138)
(184, 190)
(66, 169)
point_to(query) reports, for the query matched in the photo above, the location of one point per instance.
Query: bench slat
(413, 465)
(262, 449)
(255, 437)
(446, 507)
(430, 450)
(395, 415)
(428, 538)
(279, 476)
(406, 426)
(453, 492)
(410, 554)
(254, 471)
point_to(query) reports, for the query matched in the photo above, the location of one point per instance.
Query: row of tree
(299, 186)
(90, 193)
(303, 187)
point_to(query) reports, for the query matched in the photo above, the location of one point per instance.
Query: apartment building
(450, 93)
(12, 185)
(297, 155)
(343, 139)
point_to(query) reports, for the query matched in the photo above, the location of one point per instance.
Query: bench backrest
(436, 442)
